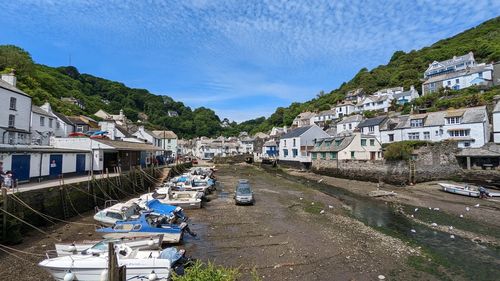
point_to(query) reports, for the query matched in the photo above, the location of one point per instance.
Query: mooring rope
(16, 256)
(22, 252)
(16, 217)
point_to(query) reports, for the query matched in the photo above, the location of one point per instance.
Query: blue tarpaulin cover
(171, 254)
(160, 208)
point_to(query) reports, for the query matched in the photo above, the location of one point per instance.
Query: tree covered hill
(404, 69)
(44, 83)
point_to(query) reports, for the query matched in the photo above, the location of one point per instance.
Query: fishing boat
(145, 225)
(465, 190)
(115, 211)
(183, 199)
(101, 247)
(140, 265)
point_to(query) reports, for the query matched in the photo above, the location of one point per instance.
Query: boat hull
(167, 237)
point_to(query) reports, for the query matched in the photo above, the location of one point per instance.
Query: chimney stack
(10, 78)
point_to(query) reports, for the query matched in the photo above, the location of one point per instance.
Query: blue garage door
(80, 163)
(55, 166)
(21, 167)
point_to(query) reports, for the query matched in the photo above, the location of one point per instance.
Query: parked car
(244, 193)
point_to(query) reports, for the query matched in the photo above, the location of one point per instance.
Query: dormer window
(416, 123)
(453, 120)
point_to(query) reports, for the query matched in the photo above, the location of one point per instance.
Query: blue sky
(241, 58)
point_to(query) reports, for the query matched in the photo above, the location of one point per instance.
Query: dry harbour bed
(285, 236)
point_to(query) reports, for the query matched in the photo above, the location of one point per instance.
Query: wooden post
(115, 272)
(4, 219)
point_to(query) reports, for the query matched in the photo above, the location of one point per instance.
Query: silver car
(243, 194)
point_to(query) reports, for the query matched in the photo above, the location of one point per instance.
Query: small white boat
(115, 211)
(101, 247)
(140, 265)
(183, 199)
(465, 190)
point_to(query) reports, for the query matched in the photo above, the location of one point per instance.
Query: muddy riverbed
(293, 232)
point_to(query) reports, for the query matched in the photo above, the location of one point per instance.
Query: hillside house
(343, 109)
(270, 149)
(374, 103)
(469, 127)
(168, 142)
(304, 119)
(454, 64)
(406, 96)
(15, 112)
(115, 131)
(63, 126)
(371, 126)
(43, 126)
(277, 132)
(247, 144)
(72, 100)
(354, 146)
(349, 123)
(324, 117)
(83, 124)
(355, 96)
(296, 145)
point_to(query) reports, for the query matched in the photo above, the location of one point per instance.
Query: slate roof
(76, 120)
(296, 132)
(372, 121)
(165, 134)
(328, 144)
(271, 143)
(39, 111)
(456, 60)
(349, 119)
(488, 150)
(326, 112)
(403, 94)
(11, 88)
(64, 118)
(129, 146)
(123, 130)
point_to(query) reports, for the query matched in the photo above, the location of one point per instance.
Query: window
(372, 142)
(323, 155)
(414, 136)
(295, 152)
(427, 135)
(12, 120)
(318, 144)
(437, 133)
(344, 126)
(352, 155)
(467, 144)
(12, 103)
(459, 133)
(480, 75)
(328, 143)
(12, 137)
(453, 120)
(338, 142)
(42, 121)
(285, 152)
(79, 128)
(391, 137)
(457, 81)
(58, 125)
(50, 122)
(294, 142)
(416, 122)
(371, 129)
(284, 143)
(363, 142)
(314, 155)
(333, 155)
(350, 126)
(449, 83)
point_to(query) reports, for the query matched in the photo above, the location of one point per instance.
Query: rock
(434, 224)
(467, 209)
(301, 198)
(413, 231)
(322, 212)
(416, 209)
(452, 236)
(436, 209)
(477, 205)
(451, 227)
(320, 180)
(412, 216)
(461, 215)
(330, 206)
(312, 203)
(381, 277)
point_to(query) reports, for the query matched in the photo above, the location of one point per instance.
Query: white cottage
(296, 145)
(371, 126)
(15, 112)
(349, 123)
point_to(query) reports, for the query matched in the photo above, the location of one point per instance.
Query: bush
(207, 272)
(401, 150)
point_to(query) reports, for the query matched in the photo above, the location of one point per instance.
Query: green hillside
(406, 69)
(50, 84)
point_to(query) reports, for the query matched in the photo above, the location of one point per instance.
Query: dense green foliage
(207, 272)
(406, 69)
(401, 150)
(50, 84)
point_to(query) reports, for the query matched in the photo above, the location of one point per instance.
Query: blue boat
(146, 225)
(165, 209)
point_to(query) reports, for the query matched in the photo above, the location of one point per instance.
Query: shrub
(401, 150)
(207, 272)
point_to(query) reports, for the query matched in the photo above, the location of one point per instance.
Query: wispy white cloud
(219, 52)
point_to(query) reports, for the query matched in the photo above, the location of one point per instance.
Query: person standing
(8, 181)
